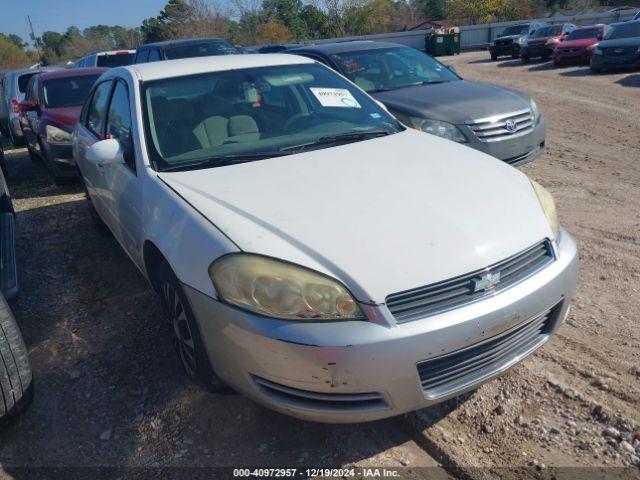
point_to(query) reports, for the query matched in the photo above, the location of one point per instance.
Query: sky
(57, 15)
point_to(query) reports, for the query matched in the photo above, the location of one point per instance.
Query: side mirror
(28, 107)
(105, 152)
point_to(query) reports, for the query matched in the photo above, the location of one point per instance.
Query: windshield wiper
(338, 138)
(223, 160)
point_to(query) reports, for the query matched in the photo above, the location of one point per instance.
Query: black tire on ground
(16, 379)
(596, 69)
(494, 57)
(525, 59)
(185, 332)
(515, 55)
(101, 227)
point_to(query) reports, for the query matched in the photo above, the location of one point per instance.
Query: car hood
(64, 116)
(620, 42)
(581, 43)
(454, 102)
(509, 37)
(383, 215)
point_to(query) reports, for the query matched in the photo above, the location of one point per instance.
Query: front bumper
(516, 150)
(575, 55)
(366, 370)
(621, 62)
(534, 51)
(503, 50)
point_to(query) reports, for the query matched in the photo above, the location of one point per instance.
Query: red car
(48, 113)
(578, 45)
(543, 41)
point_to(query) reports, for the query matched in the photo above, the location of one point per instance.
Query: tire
(515, 54)
(557, 63)
(596, 69)
(525, 59)
(494, 57)
(16, 378)
(98, 223)
(185, 333)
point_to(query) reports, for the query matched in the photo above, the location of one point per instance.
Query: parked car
(48, 114)
(543, 41)
(4, 110)
(619, 49)
(311, 251)
(577, 46)
(16, 379)
(274, 48)
(107, 59)
(15, 84)
(426, 95)
(512, 38)
(174, 49)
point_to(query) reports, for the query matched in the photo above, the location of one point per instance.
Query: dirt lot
(110, 392)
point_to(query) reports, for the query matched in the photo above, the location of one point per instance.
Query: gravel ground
(109, 390)
(577, 401)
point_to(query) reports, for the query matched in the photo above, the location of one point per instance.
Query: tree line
(252, 22)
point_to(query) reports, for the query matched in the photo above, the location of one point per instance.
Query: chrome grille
(619, 51)
(494, 129)
(431, 299)
(454, 371)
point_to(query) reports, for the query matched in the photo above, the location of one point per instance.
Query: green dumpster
(443, 42)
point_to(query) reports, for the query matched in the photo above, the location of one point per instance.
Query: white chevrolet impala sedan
(312, 252)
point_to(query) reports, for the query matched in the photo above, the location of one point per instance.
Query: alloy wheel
(181, 331)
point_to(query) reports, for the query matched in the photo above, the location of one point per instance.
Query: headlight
(441, 129)
(281, 290)
(552, 41)
(57, 135)
(548, 206)
(534, 110)
(522, 40)
(597, 51)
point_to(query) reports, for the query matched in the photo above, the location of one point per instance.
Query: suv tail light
(16, 105)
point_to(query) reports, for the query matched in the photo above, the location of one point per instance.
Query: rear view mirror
(28, 106)
(105, 152)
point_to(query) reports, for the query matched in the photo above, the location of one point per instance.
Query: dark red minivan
(48, 113)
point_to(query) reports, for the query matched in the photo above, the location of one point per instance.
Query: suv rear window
(23, 81)
(115, 60)
(199, 50)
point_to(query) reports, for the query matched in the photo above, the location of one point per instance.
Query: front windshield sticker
(335, 97)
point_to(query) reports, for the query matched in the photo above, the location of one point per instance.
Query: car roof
(184, 41)
(72, 72)
(218, 63)
(342, 47)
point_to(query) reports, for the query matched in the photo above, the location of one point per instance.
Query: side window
(119, 121)
(154, 56)
(142, 56)
(96, 115)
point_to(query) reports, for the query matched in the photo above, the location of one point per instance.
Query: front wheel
(525, 59)
(494, 57)
(185, 333)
